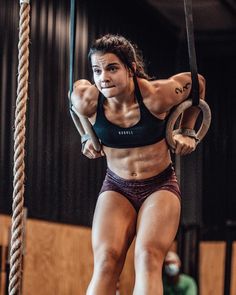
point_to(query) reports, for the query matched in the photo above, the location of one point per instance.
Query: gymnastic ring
(206, 120)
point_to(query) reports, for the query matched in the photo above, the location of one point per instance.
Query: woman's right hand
(89, 151)
(184, 144)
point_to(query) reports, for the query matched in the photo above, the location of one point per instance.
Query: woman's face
(110, 75)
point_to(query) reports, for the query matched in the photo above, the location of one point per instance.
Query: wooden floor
(58, 261)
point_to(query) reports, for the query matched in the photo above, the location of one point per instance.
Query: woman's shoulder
(84, 97)
(148, 87)
(152, 91)
(152, 94)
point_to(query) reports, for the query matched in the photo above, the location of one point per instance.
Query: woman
(140, 194)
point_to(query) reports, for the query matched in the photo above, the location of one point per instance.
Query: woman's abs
(140, 162)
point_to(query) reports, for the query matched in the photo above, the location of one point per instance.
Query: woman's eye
(113, 69)
(96, 71)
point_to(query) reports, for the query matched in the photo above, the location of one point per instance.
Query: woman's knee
(149, 257)
(108, 260)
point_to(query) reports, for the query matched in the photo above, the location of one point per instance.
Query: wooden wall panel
(233, 274)
(5, 222)
(58, 259)
(212, 268)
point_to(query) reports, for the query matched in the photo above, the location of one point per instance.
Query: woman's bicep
(84, 98)
(184, 81)
(171, 92)
(181, 86)
(177, 89)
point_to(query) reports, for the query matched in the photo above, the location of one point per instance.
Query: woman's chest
(123, 117)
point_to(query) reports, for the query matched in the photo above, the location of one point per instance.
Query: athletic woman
(140, 196)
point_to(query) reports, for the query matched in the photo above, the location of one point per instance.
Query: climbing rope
(19, 152)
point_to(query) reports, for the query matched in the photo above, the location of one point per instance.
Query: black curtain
(219, 166)
(60, 184)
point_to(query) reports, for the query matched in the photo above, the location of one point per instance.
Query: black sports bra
(148, 130)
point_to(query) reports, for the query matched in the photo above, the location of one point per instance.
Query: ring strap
(82, 124)
(72, 48)
(191, 50)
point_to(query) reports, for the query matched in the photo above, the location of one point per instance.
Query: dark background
(61, 184)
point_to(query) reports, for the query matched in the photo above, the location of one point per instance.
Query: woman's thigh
(114, 223)
(158, 221)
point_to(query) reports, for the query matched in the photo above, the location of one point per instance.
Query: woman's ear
(134, 67)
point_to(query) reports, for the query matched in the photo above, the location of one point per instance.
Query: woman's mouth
(107, 87)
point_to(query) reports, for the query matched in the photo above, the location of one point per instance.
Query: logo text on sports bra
(125, 132)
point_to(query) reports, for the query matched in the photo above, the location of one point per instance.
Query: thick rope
(19, 153)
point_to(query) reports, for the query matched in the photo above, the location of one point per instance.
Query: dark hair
(124, 50)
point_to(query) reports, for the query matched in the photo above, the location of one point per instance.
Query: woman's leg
(157, 224)
(114, 226)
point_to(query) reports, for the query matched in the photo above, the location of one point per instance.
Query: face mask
(172, 269)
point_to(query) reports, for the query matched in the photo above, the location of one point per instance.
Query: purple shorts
(137, 191)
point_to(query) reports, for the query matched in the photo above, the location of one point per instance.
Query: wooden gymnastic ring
(206, 120)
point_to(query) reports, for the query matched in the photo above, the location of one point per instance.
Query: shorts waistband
(159, 177)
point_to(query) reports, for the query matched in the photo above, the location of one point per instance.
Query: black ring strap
(191, 50)
(82, 124)
(72, 48)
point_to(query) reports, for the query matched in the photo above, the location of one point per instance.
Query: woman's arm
(84, 98)
(171, 92)
(190, 115)
(186, 144)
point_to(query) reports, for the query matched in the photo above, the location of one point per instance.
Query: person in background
(175, 282)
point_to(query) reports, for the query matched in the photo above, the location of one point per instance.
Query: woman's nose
(104, 77)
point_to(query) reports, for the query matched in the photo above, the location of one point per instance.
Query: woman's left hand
(89, 151)
(184, 144)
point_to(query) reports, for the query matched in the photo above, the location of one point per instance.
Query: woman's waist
(167, 173)
(139, 169)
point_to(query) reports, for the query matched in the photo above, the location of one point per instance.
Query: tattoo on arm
(184, 88)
